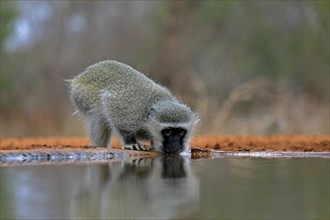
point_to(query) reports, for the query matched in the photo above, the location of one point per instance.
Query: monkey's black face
(173, 139)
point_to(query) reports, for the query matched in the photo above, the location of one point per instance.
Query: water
(169, 188)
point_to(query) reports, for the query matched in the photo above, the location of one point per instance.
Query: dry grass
(277, 111)
(272, 110)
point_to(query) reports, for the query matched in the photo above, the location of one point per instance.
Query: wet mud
(77, 149)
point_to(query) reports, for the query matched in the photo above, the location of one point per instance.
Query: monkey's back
(129, 92)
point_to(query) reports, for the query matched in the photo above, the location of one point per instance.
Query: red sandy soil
(298, 143)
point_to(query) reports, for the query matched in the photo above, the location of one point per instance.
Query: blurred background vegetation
(248, 67)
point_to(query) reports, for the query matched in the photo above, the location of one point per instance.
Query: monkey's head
(171, 126)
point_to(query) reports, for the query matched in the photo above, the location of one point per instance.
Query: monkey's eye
(167, 132)
(182, 133)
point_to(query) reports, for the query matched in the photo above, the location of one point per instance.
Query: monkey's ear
(151, 112)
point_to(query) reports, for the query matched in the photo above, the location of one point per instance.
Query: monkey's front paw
(136, 146)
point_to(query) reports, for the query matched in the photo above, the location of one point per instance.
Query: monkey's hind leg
(129, 142)
(98, 131)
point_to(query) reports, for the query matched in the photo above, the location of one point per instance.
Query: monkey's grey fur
(112, 96)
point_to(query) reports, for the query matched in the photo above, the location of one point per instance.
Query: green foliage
(216, 11)
(8, 13)
(287, 41)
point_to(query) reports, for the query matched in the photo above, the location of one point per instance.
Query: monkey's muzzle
(172, 148)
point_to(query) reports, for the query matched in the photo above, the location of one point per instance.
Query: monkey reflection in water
(163, 187)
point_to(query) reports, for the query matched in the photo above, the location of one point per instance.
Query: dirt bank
(298, 143)
(266, 143)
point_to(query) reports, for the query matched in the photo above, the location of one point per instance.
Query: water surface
(169, 188)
